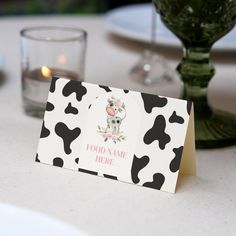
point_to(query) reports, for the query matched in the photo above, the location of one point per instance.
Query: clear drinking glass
(48, 52)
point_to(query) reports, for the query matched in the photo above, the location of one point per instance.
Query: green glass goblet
(199, 24)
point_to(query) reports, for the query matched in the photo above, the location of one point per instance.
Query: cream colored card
(123, 135)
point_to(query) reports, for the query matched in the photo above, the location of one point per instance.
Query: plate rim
(17, 212)
(160, 40)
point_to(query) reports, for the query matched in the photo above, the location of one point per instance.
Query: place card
(123, 135)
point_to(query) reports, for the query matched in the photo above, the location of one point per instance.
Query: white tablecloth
(203, 205)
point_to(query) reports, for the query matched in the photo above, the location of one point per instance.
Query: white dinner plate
(16, 221)
(134, 22)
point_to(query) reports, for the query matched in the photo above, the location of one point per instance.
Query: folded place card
(119, 134)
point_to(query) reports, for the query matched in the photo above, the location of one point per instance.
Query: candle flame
(46, 72)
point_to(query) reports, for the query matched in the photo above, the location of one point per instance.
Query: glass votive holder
(48, 52)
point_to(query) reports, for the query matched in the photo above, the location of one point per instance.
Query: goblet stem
(196, 70)
(211, 129)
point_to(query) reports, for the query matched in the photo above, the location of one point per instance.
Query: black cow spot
(77, 160)
(157, 132)
(151, 101)
(58, 162)
(67, 135)
(71, 110)
(175, 163)
(137, 165)
(37, 158)
(176, 119)
(158, 181)
(189, 106)
(107, 89)
(110, 177)
(74, 87)
(49, 106)
(88, 171)
(126, 90)
(89, 106)
(53, 84)
(44, 132)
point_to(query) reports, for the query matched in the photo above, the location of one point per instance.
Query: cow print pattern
(110, 177)
(175, 163)
(106, 88)
(189, 106)
(44, 132)
(151, 101)
(88, 171)
(71, 110)
(49, 106)
(158, 181)
(58, 162)
(53, 84)
(37, 158)
(74, 87)
(157, 132)
(156, 126)
(176, 119)
(67, 135)
(138, 164)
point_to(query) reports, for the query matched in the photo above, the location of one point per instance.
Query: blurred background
(22, 7)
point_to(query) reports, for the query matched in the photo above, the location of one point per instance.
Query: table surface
(203, 205)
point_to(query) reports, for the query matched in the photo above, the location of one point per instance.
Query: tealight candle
(48, 52)
(36, 84)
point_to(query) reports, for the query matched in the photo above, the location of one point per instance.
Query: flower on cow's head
(118, 103)
(114, 105)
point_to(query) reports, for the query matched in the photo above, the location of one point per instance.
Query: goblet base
(215, 131)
